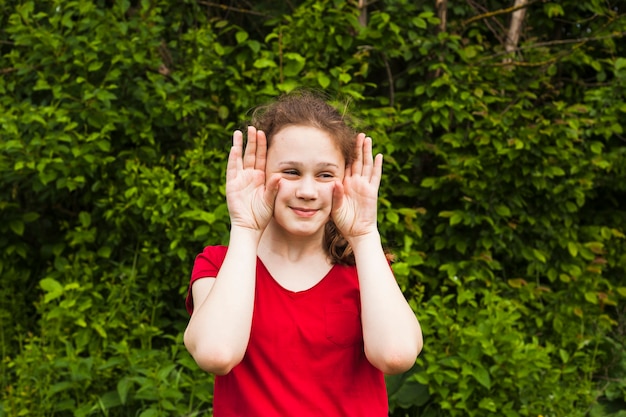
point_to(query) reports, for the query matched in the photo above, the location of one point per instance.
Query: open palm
(355, 200)
(250, 200)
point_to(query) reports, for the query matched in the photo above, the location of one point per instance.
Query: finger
(338, 196)
(271, 189)
(377, 171)
(261, 150)
(249, 156)
(357, 164)
(234, 157)
(368, 160)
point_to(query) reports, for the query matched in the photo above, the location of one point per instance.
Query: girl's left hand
(355, 200)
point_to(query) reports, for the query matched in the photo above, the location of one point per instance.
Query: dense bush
(501, 195)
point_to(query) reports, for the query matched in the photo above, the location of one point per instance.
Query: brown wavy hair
(309, 108)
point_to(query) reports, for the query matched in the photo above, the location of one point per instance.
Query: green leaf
(219, 49)
(202, 231)
(412, 393)
(428, 182)
(554, 10)
(517, 282)
(60, 387)
(596, 147)
(30, 217)
(392, 216)
(419, 22)
(482, 376)
(591, 297)
(488, 404)
(95, 66)
(503, 211)
(99, 329)
(223, 112)
(294, 63)
(50, 285)
(149, 413)
(84, 218)
(456, 218)
(264, 63)
(539, 256)
(17, 226)
(52, 288)
(104, 252)
(104, 145)
(400, 268)
(110, 400)
(123, 387)
(241, 36)
(323, 79)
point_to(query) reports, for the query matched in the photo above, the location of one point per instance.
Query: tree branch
(580, 41)
(517, 18)
(230, 8)
(363, 12)
(499, 12)
(442, 13)
(515, 28)
(496, 30)
(392, 95)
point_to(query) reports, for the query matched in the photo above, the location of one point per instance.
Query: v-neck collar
(299, 293)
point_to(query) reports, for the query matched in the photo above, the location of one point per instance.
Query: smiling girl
(300, 315)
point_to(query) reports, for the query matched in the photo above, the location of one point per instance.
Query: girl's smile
(302, 212)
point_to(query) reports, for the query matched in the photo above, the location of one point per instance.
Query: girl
(300, 315)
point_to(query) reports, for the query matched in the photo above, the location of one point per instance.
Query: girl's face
(309, 162)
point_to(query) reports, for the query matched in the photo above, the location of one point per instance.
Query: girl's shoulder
(214, 251)
(208, 262)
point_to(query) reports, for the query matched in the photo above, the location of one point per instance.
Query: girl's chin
(309, 230)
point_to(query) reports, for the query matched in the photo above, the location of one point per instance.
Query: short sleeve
(207, 264)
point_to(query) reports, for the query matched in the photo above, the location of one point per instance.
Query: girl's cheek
(328, 186)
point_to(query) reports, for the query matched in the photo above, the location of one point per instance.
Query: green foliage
(501, 195)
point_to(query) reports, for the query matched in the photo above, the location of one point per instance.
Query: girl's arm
(219, 329)
(391, 333)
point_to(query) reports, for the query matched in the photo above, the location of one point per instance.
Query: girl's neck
(296, 263)
(291, 248)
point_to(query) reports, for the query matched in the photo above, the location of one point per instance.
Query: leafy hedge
(502, 193)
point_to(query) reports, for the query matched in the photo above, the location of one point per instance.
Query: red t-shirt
(305, 355)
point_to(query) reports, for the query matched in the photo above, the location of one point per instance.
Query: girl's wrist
(365, 239)
(245, 234)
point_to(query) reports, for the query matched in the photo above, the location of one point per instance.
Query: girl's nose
(306, 189)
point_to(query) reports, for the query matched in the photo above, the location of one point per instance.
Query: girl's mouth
(304, 212)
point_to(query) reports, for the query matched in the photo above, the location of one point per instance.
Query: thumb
(338, 196)
(271, 189)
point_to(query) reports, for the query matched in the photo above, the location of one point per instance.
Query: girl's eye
(326, 175)
(290, 172)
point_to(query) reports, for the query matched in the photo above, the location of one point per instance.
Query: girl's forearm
(391, 332)
(218, 332)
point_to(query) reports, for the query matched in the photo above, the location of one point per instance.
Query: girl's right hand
(249, 196)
